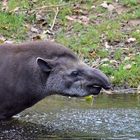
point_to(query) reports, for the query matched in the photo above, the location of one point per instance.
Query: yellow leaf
(89, 98)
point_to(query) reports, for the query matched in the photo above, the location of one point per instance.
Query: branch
(56, 13)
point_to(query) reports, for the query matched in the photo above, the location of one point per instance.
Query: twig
(99, 64)
(56, 13)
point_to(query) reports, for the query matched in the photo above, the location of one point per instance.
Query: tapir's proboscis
(31, 71)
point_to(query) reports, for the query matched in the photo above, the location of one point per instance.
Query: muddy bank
(122, 90)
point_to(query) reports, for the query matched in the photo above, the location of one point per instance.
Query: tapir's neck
(37, 83)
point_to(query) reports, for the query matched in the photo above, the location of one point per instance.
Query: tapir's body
(29, 72)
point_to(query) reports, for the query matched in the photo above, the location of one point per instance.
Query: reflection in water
(108, 117)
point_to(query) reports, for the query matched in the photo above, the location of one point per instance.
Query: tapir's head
(68, 76)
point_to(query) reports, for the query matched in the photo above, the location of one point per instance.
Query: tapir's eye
(74, 73)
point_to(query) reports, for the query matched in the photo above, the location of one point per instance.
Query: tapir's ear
(45, 65)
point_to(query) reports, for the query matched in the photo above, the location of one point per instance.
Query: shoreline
(122, 90)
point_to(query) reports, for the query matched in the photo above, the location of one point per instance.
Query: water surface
(57, 117)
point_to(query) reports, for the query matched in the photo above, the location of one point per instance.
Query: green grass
(11, 26)
(130, 76)
(118, 53)
(129, 2)
(103, 26)
(18, 3)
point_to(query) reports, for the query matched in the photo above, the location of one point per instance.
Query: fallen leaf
(84, 19)
(15, 10)
(134, 22)
(112, 78)
(89, 99)
(4, 5)
(79, 10)
(92, 7)
(92, 54)
(27, 27)
(37, 37)
(41, 19)
(34, 30)
(113, 61)
(127, 67)
(43, 35)
(2, 39)
(71, 18)
(9, 42)
(49, 32)
(107, 46)
(138, 89)
(126, 58)
(105, 60)
(107, 6)
(125, 49)
(81, 19)
(119, 8)
(105, 65)
(138, 31)
(131, 40)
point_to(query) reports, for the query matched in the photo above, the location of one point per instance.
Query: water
(114, 117)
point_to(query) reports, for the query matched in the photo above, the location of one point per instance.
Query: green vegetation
(92, 30)
(11, 26)
(129, 76)
(129, 2)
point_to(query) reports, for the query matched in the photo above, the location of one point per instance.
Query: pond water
(56, 117)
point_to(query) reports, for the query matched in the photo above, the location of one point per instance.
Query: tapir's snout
(97, 81)
(100, 79)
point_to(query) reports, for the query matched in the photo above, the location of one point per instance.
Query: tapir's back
(45, 49)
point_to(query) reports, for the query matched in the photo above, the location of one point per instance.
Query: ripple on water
(63, 119)
(117, 123)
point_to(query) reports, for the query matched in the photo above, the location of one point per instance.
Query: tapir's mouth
(95, 89)
(98, 81)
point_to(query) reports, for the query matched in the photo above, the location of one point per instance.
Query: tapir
(31, 71)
